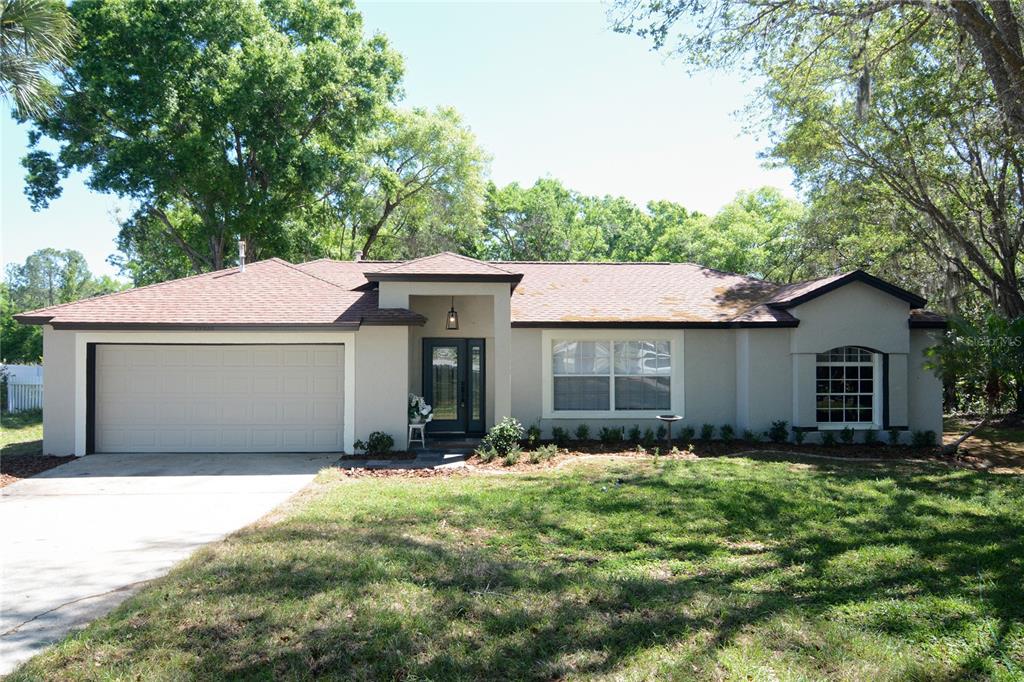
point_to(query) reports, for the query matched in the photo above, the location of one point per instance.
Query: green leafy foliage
(610, 435)
(846, 435)
(220, 118)
(727, 433)
(543, 453)
(900, 120)
(983, 362)
(798, 435)
(707, 432)
(36, 37)
(828, 438)
(560, 436)
(377, 443)
(47, 277)
(504, 436)
(533, 435)
(779, 432)
(512, 457)
(583, 432)
(894, 436)
(686, 434)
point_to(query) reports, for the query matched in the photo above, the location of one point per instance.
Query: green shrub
(377, 443)
(686, 434)
(828, 438)
(707, 431)
(661, 433)
(648, 439)
(726, 433)
(923, 439)
(610, 435)
(512, 456)
(894, 436)
(560, 436)
(504, 436)
(779, 433)
(583, 432)
(846, 435)
(543, 453)
(798, 435)
(486, 454)
(533, 435)
(634, 433)
(871, 438)
(748, 435)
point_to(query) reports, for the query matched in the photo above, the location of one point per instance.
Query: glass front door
(453, 384)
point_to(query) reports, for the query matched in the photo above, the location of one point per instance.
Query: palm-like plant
(36, 36)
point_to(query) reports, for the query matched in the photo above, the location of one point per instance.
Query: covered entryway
(217, 398)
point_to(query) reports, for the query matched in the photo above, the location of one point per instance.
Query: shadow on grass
(587, 574)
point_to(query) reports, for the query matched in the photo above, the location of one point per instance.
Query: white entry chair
(420, 430)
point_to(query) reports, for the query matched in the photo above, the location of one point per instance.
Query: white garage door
(176, 398)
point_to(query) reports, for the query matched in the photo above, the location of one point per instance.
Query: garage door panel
(219, 398)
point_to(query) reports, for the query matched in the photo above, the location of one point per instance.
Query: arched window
(846, 387)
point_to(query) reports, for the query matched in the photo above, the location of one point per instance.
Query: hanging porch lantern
(452, 322)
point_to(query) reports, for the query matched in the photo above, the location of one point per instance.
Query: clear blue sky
(549, 90)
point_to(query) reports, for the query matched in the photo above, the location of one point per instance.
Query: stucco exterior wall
(924, 387)
(764, 379)
(382, 382)
(853, 315)
(58, 392)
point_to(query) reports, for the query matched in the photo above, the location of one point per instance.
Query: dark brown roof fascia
(33, 319)
(914, 300)
(655, 324)
(513, 278)
(186, 326)
(928, 324)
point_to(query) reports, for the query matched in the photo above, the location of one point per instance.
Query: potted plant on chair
(419, 414)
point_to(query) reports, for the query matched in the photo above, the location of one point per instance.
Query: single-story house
(312, 357)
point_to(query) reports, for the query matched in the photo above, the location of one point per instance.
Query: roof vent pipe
(359, 256)
(241, 255)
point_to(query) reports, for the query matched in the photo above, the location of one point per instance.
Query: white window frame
(676, 392)
(876, 393)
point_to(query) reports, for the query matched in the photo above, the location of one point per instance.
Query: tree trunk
(1019, 396)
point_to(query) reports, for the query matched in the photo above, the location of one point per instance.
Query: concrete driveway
(79, 539)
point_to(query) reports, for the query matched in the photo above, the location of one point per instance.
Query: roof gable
(444, 263)
(795, 294)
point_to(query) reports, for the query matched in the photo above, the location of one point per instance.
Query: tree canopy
(35, 37)
(47, 277)
(221, 118)
(906, 114)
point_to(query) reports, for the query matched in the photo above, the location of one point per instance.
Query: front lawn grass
(21, 433)
(724, 568)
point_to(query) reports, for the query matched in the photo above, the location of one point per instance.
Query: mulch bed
(594, 450)
(13, 468)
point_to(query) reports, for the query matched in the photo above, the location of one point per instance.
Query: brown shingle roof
(444, 263)
(269, 293)
(337, 294)
(632, 292)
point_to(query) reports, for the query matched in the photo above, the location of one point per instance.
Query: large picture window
(845, 386)
(611, 375)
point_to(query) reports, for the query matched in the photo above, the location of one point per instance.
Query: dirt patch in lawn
(997, 448)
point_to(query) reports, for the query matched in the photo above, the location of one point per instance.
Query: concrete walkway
(79, 539)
